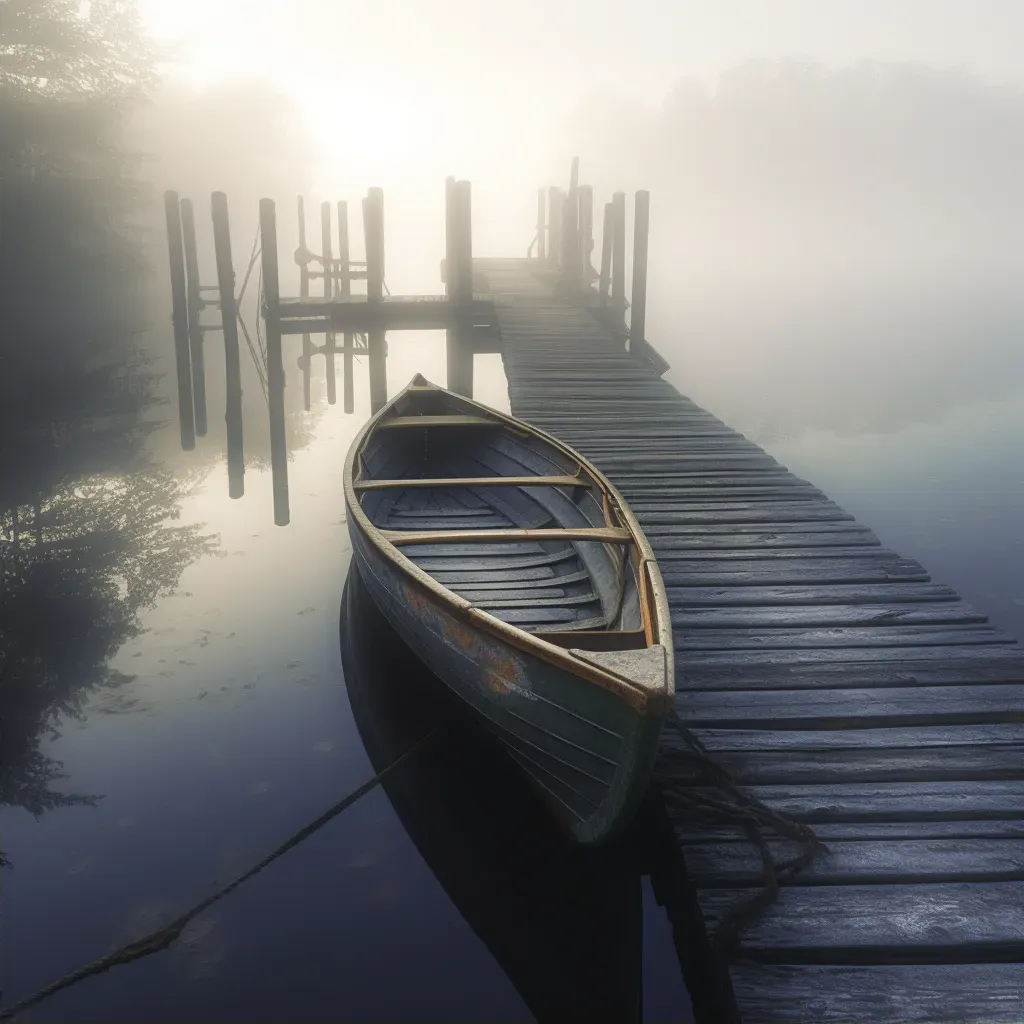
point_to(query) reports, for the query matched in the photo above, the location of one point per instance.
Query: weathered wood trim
(474, 481)
(603, 535)
(437, 421)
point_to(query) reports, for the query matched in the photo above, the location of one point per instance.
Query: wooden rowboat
(563, 922)
(517, 573)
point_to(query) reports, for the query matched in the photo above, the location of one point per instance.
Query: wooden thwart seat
(604, 535)
(474, 481)
(437, 421)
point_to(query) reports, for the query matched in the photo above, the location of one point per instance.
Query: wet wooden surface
(831, 676)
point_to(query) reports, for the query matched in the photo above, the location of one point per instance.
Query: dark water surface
(227, 725)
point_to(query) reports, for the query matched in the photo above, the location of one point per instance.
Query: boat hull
(587, 751)
(563, 922)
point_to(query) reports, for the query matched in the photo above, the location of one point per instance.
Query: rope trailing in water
(166, 936)
(731, 805)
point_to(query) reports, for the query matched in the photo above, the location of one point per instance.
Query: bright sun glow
(366, 114)
(381, 106)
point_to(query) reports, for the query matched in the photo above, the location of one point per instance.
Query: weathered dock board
(830, 675)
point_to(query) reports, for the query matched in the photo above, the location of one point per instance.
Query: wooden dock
(834, 679)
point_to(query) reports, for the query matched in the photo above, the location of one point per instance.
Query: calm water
(260, 691)
(227, 725)
(948, 492)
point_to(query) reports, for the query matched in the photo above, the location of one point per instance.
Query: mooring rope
(728, 803)
(253, 256)
(164, 937)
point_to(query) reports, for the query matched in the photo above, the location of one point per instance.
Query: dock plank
(735, 864)
(880, 993)
(965, 922)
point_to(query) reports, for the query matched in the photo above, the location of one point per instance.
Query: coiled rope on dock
(707, 794)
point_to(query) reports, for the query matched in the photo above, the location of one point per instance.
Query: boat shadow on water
(564, 922)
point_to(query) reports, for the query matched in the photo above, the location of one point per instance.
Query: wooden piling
(449, 213)
(232, 362)
(540, 224)
(328, 265)
(307, 342)
(179, 319)
(586, 233)
(275, 364)
(606, 255)
(194, 296)
(451, 335)
(460, 275)
(570, 244)
(555, 206)
(638, 295)
(570, 232)
(373, 228)
(619, 251)
(348, 384)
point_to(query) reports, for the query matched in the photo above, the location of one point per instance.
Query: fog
(837, 230)
(835, 223)
(832, 248)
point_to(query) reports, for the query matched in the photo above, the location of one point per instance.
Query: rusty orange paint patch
(501, 671)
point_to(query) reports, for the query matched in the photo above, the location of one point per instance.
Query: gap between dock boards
(834, 678)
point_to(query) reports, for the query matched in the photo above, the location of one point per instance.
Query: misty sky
(856, 201)
(530, 46)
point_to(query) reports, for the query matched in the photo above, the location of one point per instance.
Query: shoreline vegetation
(86, 534)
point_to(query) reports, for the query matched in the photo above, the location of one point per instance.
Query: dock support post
(232, 363)
(459, 222)
(540, 224)
(307, 344)
(586, 205)
(451, 287)
(571, 234)
(555, 210)
(449, 255)
(619, 253)
(373, 228)
(179, 319)
(453, 281)
(328, 265)
(348, 384)
(275, 364)
(195, 305)
(638, 295)
(606, 255)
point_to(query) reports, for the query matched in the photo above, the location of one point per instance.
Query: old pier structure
(833, 678)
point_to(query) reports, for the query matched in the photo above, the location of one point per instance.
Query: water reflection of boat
(563, 921)
(518, 574)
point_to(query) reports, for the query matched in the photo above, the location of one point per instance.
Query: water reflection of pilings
(362, 320)
(564, 243)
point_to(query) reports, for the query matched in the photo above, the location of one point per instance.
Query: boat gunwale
(648, 701)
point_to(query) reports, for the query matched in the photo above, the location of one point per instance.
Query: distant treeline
(72, 283)
(86, 540)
